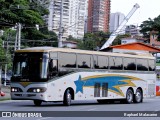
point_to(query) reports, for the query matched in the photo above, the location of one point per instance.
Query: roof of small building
(135, 46)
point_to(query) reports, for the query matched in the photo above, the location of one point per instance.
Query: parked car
(8, 79)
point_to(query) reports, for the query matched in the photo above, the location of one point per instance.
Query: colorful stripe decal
(114, 82)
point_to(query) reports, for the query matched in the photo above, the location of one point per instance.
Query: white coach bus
(46, 74)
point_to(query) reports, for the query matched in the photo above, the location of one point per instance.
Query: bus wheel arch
(68, 96)
(138, 96)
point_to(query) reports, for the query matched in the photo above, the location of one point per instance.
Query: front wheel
(138, 97)
(67, 98)
(129, 96)
(37, 102)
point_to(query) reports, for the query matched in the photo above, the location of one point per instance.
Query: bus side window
(52, 68)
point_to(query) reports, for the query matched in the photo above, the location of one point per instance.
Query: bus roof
(69, 50)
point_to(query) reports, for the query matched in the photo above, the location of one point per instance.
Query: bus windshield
(30, 66)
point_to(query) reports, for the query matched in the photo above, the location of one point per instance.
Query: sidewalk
(6, 90)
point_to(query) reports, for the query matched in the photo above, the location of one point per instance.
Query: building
(133, 40)
(153, 39)
(73, 20)
(54, 17)
(115, 20)
(133, 48)
(98, 15)
(69, 44)
(132, 30)
(78, 14)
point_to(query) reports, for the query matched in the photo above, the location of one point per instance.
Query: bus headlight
(37, 90)
(16, 89)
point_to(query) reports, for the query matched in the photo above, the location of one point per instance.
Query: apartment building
(73, 20)
(115, 20)
(78, 14)
(98, 15)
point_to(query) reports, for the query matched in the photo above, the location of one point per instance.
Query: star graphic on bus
(79, 85)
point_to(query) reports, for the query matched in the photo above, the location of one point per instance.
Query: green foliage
(149, 25)
(92, 41)
(43, 37)
(28, 13)
(2, 52)
(117, 41)
(22, 11)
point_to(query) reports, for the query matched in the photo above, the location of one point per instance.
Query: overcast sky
(148, 9)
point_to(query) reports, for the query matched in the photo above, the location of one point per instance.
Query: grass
(3, 99)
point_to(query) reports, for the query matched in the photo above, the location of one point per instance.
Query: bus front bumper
(28, 96)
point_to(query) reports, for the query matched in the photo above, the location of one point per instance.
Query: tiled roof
(137, 46)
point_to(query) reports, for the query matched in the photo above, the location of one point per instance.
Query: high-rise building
(54, 17)
(98, 15)
(73, 20)
(115, 20)
(78, 14)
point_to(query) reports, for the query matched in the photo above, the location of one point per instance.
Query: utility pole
(5, 71)
(60, 26)
(18, 38)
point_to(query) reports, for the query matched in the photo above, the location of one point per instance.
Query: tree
(26, 12)
(149, 25)
(117, 41)
(29, 13)
(88, 42)
(94, 41)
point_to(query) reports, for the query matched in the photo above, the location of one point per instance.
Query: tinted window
(83, 61)
(151, 65)
(53, 67)
(95, 61)
(115, 63)
(67, 60)
(129, 64)
(103, 62)
(142, 64)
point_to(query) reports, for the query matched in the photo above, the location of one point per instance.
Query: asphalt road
(86, 107)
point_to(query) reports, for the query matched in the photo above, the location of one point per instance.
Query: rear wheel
(37, 102)
(67, 98)
(129, 96)
(138, 97)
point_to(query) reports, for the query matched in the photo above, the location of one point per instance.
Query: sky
(148, 9)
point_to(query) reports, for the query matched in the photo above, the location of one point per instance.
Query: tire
(138, 97)
(129, 96)
(37, 102)
(67, 98)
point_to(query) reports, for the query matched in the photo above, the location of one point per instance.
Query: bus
(48, 74)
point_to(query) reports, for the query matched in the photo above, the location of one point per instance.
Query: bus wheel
(138, 96)
(67, 98)
(37, 102)
(129, 96)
